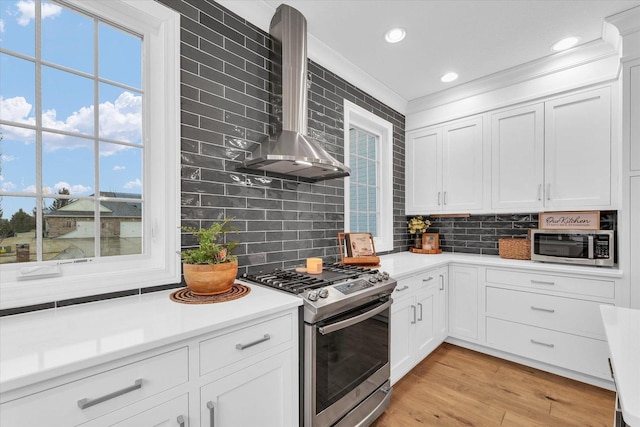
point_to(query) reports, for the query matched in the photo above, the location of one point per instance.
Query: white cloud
(136, 183)
(6, 186)
(120, 120)
(1, 26)
(118, 168)
(32, 189)
(6, 158)
(27, 11)
(73, 189)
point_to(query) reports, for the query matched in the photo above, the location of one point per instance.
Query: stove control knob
(385, 275)
(313, 296)
(373, 279)
(380, 277)
(323, 292)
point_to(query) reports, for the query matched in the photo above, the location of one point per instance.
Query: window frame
(356, 116)
(40, 282)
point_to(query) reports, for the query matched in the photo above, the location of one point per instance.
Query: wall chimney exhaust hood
(290, 151)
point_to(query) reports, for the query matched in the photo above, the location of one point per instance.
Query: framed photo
(430, 241)
(584, 220)
(359, 244)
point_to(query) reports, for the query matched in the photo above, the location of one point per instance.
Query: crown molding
(627, 24)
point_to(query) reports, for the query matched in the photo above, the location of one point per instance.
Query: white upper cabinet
(517, 156)
(578, 150)
(444, 168)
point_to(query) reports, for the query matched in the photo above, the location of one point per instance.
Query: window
(369, 188)
(88, 188)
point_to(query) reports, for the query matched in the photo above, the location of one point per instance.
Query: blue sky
(67, 105)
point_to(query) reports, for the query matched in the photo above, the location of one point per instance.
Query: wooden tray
(425, 251)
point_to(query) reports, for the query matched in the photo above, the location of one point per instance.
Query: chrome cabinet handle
(266, 337)
(404, 288)
(439, 193)
(542, 343)
(181, 421)
(548, 191)
(420, 319)
(442, 282)
(548, 310)
(413, 307)
(540, 282)
(444, 199)
(428, 279)
(212, 410)
(87, 403)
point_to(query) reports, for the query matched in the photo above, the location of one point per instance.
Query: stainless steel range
(346, 341)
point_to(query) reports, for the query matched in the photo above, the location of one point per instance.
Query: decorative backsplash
(479, 234)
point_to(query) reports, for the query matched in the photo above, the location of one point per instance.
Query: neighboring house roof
(84, 207)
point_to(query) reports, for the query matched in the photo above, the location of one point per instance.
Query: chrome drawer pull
(181, 421)
(413, 307)
(542, 343)
(442, 282)
(540, 282)
(548, 310)
(212, 409)
(266, 337)
(87, 403)
(404, 288)
(427, 279)
(420, 319)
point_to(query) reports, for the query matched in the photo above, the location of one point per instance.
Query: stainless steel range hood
(290, 151)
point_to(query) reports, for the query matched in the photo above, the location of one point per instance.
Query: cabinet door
(463, 302)
(259, 395)
(634, 233)
(403, 318)
(422, 172)
(441, 305)
(426, 301)
(634, 113)
(169, 414)
(578, 150)
(462, 166)
(517, 150)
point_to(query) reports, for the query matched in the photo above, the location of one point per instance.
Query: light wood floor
(454, 386)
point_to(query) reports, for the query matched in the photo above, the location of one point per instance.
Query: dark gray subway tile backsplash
(479, 234)
(226, 109)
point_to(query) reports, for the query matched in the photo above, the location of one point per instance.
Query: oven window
(562, 245)
(347, 357)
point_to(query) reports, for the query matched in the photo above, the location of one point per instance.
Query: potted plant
(210, 268)
(417, 225)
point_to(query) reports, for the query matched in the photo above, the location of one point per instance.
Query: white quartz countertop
(45, 344)
(622, 326)
(402, 264)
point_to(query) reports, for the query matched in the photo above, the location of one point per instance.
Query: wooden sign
(584, 220)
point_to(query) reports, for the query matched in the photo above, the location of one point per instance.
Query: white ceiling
(474, 38)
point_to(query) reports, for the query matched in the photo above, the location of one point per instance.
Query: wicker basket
(514, 248)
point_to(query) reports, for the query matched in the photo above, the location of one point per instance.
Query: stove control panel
(355, 286)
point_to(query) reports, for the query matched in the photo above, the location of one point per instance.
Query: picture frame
(359, 245)
(579, 220)
(430, 241)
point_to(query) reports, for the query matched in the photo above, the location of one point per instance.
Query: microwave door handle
(590, 250)
(327, 329)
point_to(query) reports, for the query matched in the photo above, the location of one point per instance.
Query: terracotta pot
(210, 279)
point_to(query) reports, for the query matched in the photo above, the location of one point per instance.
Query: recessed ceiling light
(395, 35)
(449, 77)
(565, 44)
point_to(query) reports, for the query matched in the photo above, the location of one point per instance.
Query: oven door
(346, 361)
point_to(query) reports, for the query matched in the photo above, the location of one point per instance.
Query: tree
(60, 203)
(21, 222)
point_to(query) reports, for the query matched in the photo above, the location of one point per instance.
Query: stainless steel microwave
(585, 247)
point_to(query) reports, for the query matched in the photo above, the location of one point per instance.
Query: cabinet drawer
(104, 392)
(574, 285)
(586, 355)
(551, 312)
(215, 353)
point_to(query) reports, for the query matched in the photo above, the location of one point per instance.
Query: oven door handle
(327, 329)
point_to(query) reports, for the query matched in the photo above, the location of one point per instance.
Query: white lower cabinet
(258, 395)
(547, 319)
(463, 302)
(418, 319)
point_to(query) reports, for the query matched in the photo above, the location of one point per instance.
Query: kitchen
(283, 221)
